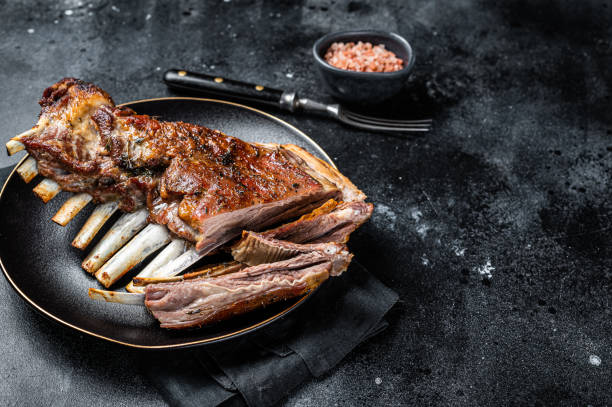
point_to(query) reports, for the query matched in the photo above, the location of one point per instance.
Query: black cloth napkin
(261, 368)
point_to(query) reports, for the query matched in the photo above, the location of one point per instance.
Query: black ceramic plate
(42, 266)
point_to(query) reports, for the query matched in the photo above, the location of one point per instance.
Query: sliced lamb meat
(254, 249)
(331, 222)
(197, 302)
(205, 186)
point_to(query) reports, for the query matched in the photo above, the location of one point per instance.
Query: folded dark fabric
(260, 369)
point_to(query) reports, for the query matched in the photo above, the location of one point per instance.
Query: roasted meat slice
(331, 222)
(205, 186)
(201, 301)
(254, 249)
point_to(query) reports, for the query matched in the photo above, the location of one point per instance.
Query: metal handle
(199, 82)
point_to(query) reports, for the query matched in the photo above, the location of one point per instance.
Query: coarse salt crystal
(362, 57)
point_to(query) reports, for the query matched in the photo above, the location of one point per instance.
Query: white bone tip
(14, 146)
(28, 169)
(147, 241)
(96, 220)
(47, 189)
(116, 296)
(71, 208)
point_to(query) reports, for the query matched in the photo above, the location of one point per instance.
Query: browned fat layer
(104, 120)
(55, 152)
(54, 96)
(166, 213)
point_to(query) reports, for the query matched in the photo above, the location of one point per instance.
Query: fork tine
(376, 120)
(385, 126)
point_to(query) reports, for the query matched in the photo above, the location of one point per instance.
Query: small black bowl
(363, 87)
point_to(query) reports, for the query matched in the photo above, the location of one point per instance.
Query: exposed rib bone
(180, 263)
(118, 235)
(207, 272)
(146, 242)
(47, 189)
(70, 208)
(170, 252)
(26, 133)
(97, 219)
(28, 170)
(116, 296)
(14, 145)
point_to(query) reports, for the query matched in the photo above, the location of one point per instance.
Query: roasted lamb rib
(180, 181)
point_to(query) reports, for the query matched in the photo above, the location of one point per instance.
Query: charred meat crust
(53, 96)
(323, 172)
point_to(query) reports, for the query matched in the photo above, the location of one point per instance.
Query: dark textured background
(514, 181)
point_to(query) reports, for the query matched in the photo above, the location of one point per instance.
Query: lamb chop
(183, 186)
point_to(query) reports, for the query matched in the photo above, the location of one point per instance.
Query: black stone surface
(513, 182)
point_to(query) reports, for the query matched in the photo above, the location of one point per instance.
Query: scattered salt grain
(115, 8)
(422, 230)
(30, 31)
(594, 360)
(158, 68)
(459, 252)
(148, 17)
(378, 381)
(289, 75)
(416, 214)
(486, 269)
(424, 260)
(68, 12)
